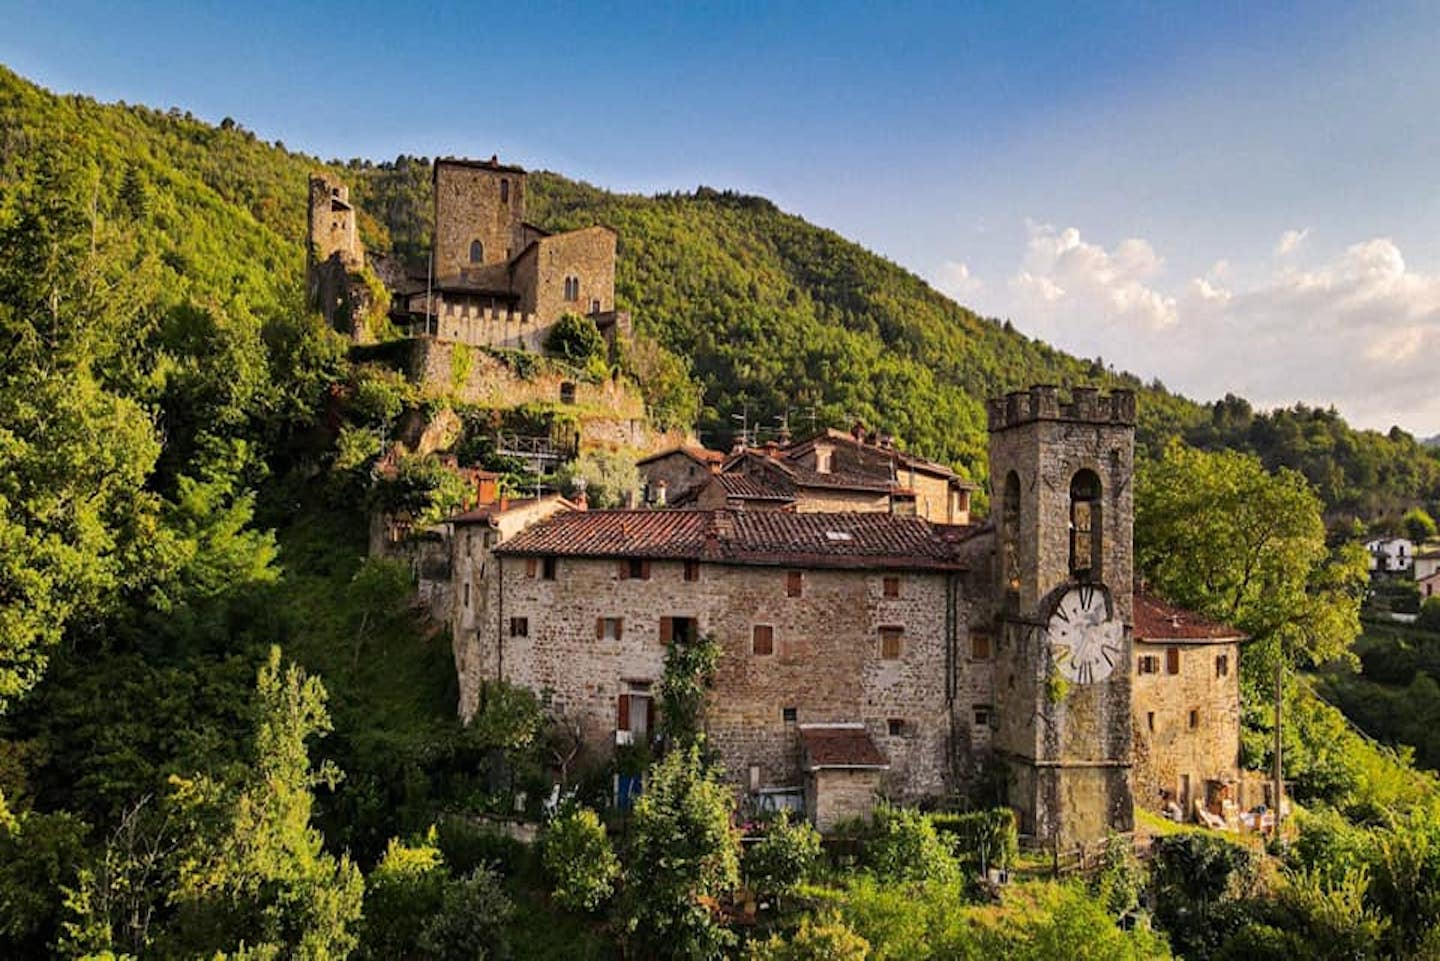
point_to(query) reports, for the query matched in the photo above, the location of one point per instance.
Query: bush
(610, 479)
(1429, 618)
(470, 925)
(406, 888)
(824, 939)
(467, 846)
(579, 861)
(982, 839)
(576, 339)
(784, 858)
(905, 847)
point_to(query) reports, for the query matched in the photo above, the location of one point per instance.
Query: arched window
(477, 252)
(572, 288)
(1086, 531)
(504, 190)
(1010, 543)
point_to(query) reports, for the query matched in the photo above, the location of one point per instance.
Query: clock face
(1086, 643)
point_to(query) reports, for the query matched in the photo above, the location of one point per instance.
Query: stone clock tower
(1063, 508)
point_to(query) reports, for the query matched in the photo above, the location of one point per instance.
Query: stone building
(333, 251)
(672, 476)
(865, 651)
(1186, 701)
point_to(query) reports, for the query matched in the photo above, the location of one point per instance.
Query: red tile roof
(840, 746)
(1158, 622)
(759, 487)
(848, 540)
(483, 513)
(701, 455)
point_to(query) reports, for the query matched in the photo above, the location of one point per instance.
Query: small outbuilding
(843, 767)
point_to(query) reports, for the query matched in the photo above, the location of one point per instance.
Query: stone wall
(1167, 748)
(468, 207)
(587, 255)
(826, 665)
(475, 376)
(680, 472)
(834, 796)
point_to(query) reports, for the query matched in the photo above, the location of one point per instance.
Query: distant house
(1391, 555)
(1427, 561)
(1429, 586)
(675, 473)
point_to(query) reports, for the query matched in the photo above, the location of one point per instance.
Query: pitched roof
(700, 455)
(840, 746)
(841, 540)
(1159, 622)
(884, 454)
(802, 476)
(756, 487)
(484, 513)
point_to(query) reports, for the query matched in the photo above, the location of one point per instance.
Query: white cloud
(1360, 330)
(1290, 241)
(955, 279)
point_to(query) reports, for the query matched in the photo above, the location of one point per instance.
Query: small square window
(984, 715)
(891, 587)
(789, 715)
(692, 570)
(763, 641)
(609, 628)
(1149, 664)
(794, 584)
(896, 726)
(1194, 719)
(547, 568)
(890, 643)
(980, 647)
(519, 627)
(634, 568)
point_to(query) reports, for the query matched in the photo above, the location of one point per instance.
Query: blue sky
(1230, 197)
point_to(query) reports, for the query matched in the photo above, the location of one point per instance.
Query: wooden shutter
(650, 716)
(644, 570)
(599, 628)
(1172, 660)
(667, 630)
(529, 567)
(622, 713)
(619, 628)
(624, 569)
(793, 584)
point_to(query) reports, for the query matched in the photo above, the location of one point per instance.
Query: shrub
(1429, 618)
(905, 847)
(983, 839)
(579, 861)
(824, 939)
(610, 479)
(784, 858)
(575, 339)
(470, 925)
(467, 846)
(404, 890)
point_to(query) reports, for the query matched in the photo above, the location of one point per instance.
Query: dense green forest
(224, 732)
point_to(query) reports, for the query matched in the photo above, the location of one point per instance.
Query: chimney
(660, 489)
(581, 501)
(504, 502)
(857, 431)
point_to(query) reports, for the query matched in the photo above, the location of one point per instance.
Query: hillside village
(876, 640)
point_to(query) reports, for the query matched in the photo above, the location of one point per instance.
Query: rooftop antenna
(744, 419)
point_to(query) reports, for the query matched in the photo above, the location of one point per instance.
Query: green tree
(576, 339)
(609, 479)
(683, 857)
(404, 890)
(826, 938)
(1419, 525)
(470, 925)
(689, 672)
(579, 860)
(1429, 617)
(906, 847)
(784, 858)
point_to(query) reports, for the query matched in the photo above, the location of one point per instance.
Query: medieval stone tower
(333, 249)
(1063, 503)
(479, 216)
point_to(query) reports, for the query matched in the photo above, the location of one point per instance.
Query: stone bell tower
(1063, 503)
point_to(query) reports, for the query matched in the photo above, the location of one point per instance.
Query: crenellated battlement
(1042, 402)
(483, 327)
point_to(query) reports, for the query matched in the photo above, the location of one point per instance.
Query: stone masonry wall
(587, 255)
(468, 208)
(1166, 746)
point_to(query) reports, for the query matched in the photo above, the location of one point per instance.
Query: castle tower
(1063, 502)
(332, 223)
(479, 216)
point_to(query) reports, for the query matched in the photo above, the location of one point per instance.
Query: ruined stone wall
(826, 664)
(468, 208)
(1166, 746)
(587, 255)
(475, 376)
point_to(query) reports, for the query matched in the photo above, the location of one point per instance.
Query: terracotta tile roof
(756, 461)
(485, 512)
(758, 487)
(701, 455)
(840, 746)
(1158, 622)
(845, 540)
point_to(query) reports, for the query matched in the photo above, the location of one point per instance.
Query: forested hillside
(176, 498)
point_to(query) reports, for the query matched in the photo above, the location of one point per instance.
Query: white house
(1391, 554)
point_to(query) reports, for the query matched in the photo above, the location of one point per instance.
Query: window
(504, 190)
(895, 726)
(531, 566)
(609, 628)
(519, 627)
(1172, 660)
(467, 593)
(979, 647)
(572, 288)
(890, 646)
(1150, 721)
(677, 629)
(984, 715)
(890, 587)
(789, 715)
(1149, 664)
(1194, 719)
(547, 568)
(1222, 665)
(567, 392)
(692, 570)
(763, 640)
(477, 252)
(595, 305)
(1085, 528)
(635, 713)
(794, 583)
(822, 461)
(634, 568)
(1010, 522)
